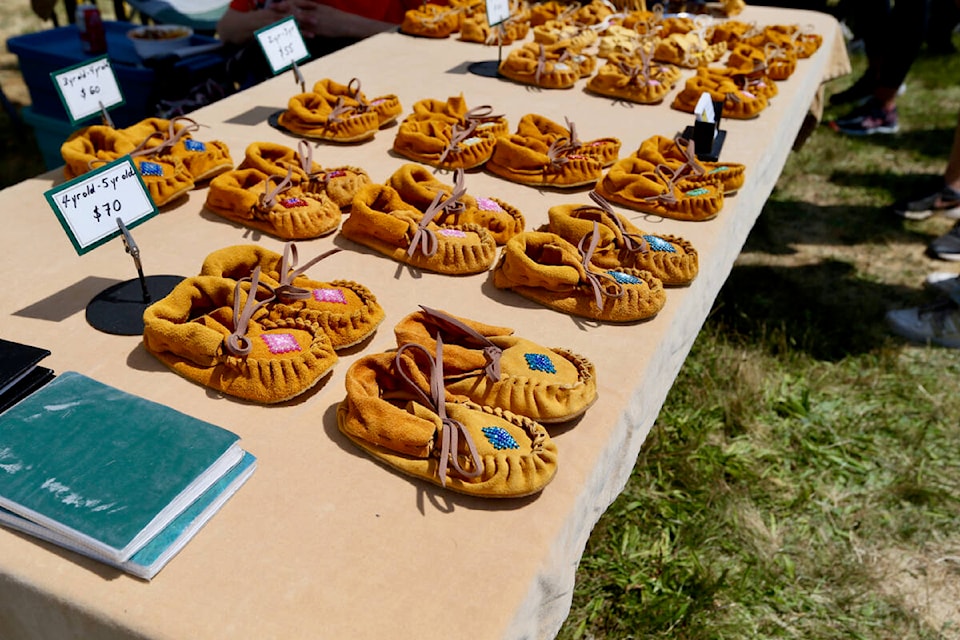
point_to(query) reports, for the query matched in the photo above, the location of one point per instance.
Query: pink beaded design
(280, 342)
(452, 233)
(329, 295)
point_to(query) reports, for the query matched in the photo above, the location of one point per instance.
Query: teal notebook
(104, 468)
(151, 558)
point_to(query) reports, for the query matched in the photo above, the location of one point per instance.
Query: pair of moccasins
(549, 66)
(449, 135)
(545, 153)
(431, 20)
(726, 87)
(644, 182)
(335, 112)
(285, 193)
(546, 267)
(252, 325)
(476, 28)
(168, 158)
(462, 404)
(634, 77)
(417, 220)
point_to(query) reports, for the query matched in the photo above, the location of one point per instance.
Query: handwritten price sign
(497, 11)
(88, 206)
(87, 87)
(283, 44)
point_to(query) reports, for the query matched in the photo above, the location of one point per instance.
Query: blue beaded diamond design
(624, 278)
(659, 244)
(539, 362)
(500, 438)
(150, 169)
(195, 145)
(699, 191)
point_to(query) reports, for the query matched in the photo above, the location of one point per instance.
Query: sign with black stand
(498, 12)
(707, 136)
(88, 89)
(95, 208)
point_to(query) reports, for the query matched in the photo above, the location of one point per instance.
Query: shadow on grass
(823, 309)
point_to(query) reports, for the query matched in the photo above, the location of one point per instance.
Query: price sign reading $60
(87, 88)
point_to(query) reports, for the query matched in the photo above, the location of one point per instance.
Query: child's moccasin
(545, 268)
(678, 154)
(643, 186)
(272, 205)
(402, 417)
(418, 186)
(491, 366)
(386, 107)
(310, 115)
(91, 147)
(346, 311)
(381, 220)
(534, 162)
(534, 125)
(671, 259)
(214, 332)
(162, 137)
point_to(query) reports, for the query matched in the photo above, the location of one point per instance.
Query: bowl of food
(159, 39)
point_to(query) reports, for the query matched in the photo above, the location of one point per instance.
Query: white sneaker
(945, 282)
(938, 323)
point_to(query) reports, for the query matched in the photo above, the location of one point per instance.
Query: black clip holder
(708, 137)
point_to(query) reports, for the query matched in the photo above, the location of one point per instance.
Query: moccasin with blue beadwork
(679, 155)
(212, 331)
(166, 178)
(491, 366)
(645, 186)
(272, 204)
(671, 259)
(340, 183)
(381, 220)
(402, 417)
(418, 186)
(345, 310)
(543, 267)
(162, 137)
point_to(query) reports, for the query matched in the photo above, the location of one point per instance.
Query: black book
(19, 373)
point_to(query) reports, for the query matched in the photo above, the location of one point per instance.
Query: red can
(93, 38)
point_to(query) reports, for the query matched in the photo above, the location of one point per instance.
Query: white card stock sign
(87, 88)
(283, 44)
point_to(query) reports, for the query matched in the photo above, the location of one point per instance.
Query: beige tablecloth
(323, 542)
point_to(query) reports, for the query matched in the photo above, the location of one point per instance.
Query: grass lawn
(803, 477)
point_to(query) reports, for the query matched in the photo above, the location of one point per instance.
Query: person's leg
(868, 20)
(943, 198)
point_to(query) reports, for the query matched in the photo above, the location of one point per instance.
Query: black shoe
(859, 92)
(947, 246)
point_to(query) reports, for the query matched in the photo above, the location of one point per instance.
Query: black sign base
(118, 309)
(486, 68)
(706, 145)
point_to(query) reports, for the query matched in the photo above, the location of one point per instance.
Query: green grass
(802, 446)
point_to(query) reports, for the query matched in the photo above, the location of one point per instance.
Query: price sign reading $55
(282, 44)
(88, 206)
(87, 88)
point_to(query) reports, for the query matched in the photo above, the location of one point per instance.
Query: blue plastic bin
(50, 134)
(44, 52)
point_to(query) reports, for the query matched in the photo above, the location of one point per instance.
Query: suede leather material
(311, 116)
(676, 267)
(396, 429)
(729, 31)
(426, 141)
(633, 183)
(688, 50)
(756, 83)
(430, 21)
(237, 195)
(534, 125)
(545, 268)
(593, 13)
(611, 81)
(186, 331)
(557, 32)
(454, 109)
(202, 165)
(417, 186)
(346, 322)
(386, 107)
(544, 396)
(525, 160)
(521, 63)
(97, 143)
(663, 150)
(174, 182)
(381, 220)
(736, 103)
(340, 184)
(476, 29)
